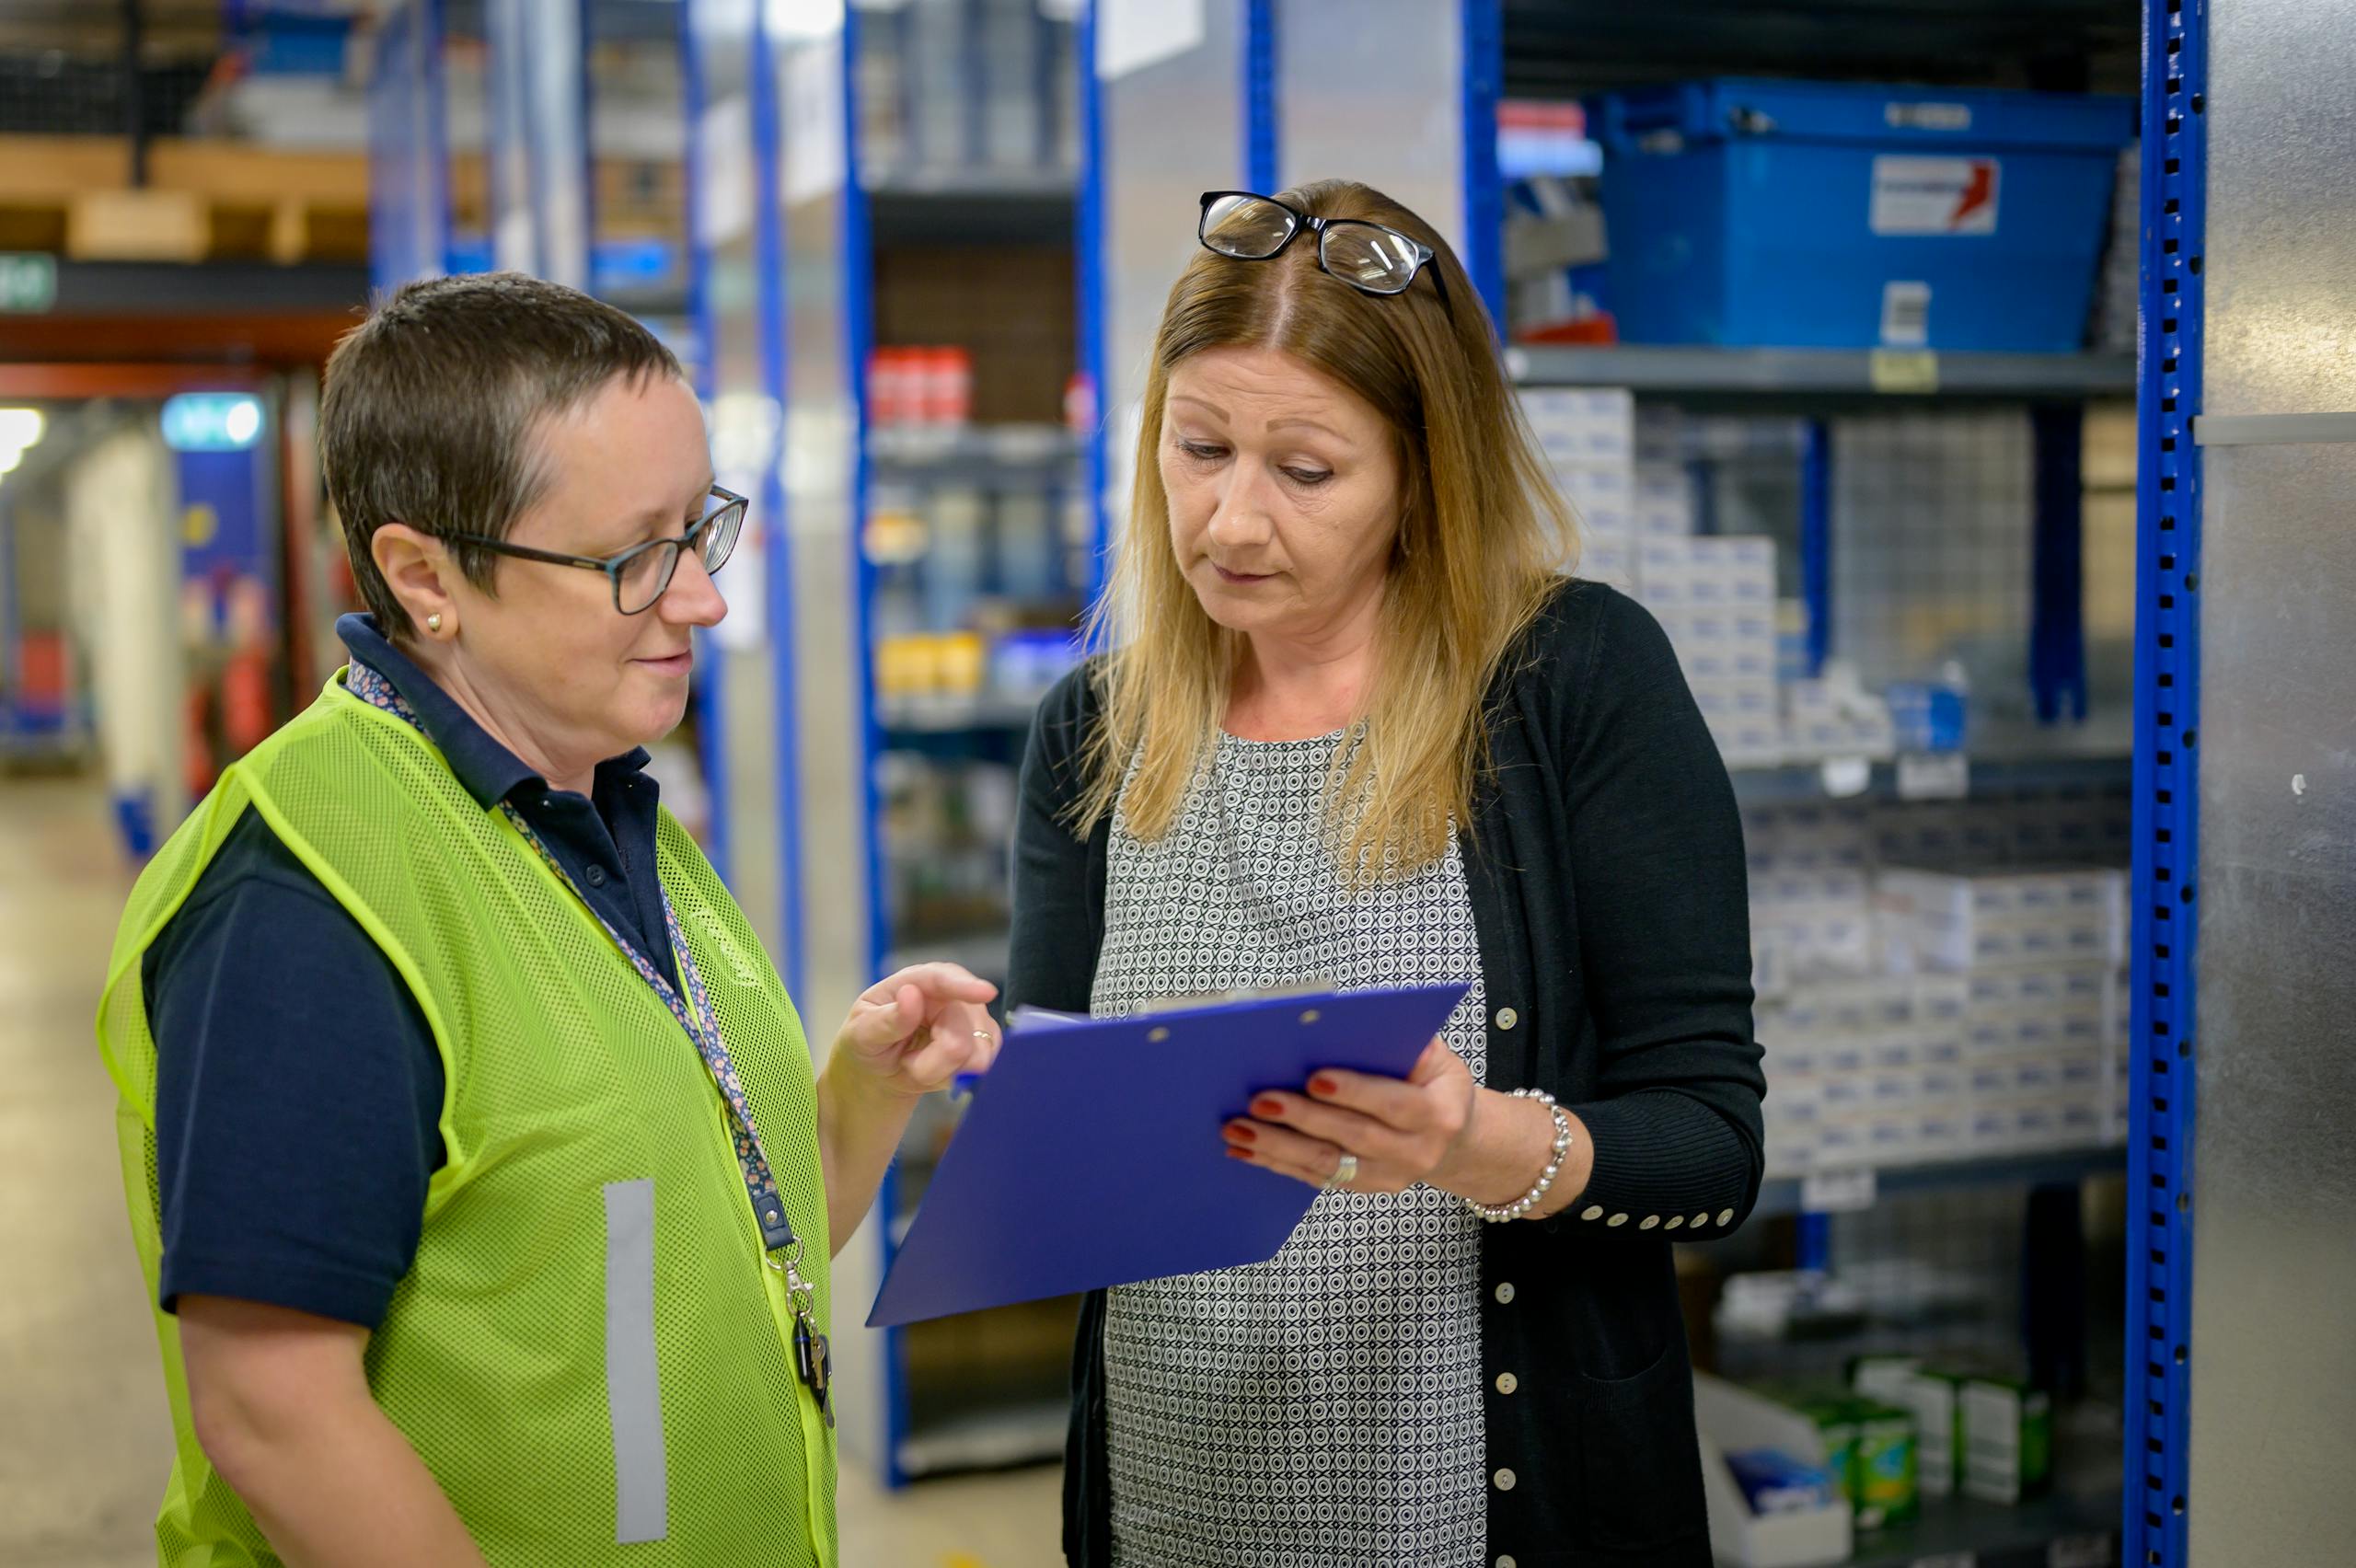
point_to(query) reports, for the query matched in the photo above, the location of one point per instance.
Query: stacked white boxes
(1825, 717)
(1715, 598)
(2037, 949)
(1913, 1016)
(1589, 438)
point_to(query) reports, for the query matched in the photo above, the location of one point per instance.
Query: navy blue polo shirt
(298, 1094)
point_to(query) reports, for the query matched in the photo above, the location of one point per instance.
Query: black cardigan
(1608, 882)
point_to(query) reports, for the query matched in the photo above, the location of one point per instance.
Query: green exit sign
(28, 282)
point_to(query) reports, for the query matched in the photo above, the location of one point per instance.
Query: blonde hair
(1483, 537)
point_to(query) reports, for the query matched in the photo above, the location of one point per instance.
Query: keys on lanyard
(814, 1355)
(813, 1359)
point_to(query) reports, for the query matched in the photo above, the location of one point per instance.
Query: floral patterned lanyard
(695, 1014)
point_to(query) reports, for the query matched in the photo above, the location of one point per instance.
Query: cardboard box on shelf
(1735, 1420)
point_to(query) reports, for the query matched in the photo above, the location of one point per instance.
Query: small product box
(1609, 558)
(1578, 425)
(1664, 501)
(1773, 1482)
(2007, 1439)
(1888, 1488)
(1601, 494)
(1977, 918)
(1930, 1396)
(1836, 1420)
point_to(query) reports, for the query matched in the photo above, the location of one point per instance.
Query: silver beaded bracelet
(1529, 1200)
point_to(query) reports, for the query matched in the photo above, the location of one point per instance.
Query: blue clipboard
(1090, 1155)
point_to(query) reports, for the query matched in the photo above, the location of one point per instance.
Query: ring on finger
(1346, 1171)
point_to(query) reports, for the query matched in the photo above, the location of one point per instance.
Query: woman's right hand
(914, 1031)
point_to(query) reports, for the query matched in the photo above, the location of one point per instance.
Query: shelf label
(1934, 196)
(1903, 369)
(1933, 776)
(28, 282)
(1838, 1192)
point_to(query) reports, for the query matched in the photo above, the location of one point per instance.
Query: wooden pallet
(204, 201)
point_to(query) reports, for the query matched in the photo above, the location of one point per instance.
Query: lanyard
(695, 1014)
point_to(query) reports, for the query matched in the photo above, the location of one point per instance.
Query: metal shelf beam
(1700, 370)
(1781, 1194)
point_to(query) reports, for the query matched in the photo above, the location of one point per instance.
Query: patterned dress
(1321, 1409)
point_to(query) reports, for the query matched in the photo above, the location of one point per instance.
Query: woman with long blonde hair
(1356, 727)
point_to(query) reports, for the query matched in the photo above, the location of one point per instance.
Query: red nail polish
(1265, 1108)
(1234, 1153)
(1325, 1086)
(1243, 1135)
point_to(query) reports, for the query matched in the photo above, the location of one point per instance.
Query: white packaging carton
(1582, 425)
(1982, 918)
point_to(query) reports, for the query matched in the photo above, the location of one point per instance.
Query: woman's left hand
(1403, 1130)
(912, 1033)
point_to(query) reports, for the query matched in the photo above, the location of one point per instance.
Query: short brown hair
(434, 403)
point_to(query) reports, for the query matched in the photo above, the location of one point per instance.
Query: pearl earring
(433, 623)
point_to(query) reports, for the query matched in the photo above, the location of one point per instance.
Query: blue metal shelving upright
(2167, 715)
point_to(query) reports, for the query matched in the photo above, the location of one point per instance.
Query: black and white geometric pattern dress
(1321, 1409)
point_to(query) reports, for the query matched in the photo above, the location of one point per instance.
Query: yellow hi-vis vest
(590, 1352)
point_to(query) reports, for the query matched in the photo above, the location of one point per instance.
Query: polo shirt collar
(484, 766)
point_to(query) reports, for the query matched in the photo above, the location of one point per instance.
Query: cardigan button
(1592, 1211)
(1507, 1382)
(1504, 1479)
(1507, 1563)
(1725, 1217)
(1508, 1018)
(1616, 1221)
(1504, 1294)
(1650, 1221)
(1700, 1221)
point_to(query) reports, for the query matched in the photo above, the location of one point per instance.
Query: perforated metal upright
(2168, 713)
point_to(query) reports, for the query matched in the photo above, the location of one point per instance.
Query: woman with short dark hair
(476, 1160)
(1356, 730)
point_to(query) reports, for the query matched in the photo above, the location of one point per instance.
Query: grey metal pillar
(537, 77)
(1171, 123)
(1400, 94)
(2273, 1173)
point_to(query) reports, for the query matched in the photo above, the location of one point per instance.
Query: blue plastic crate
(1840, 215)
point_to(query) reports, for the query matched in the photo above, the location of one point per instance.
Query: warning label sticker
(1916, 196)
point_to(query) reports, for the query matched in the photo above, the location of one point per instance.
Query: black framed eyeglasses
(642, 573)
(1369, 256)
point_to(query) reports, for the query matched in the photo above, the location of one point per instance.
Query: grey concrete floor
(86, 1441)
